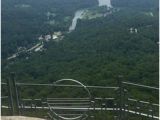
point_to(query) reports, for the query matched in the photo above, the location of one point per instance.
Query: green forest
(95, 53)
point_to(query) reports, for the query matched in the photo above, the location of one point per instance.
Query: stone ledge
(19, 118)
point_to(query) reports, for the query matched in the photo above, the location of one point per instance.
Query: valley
(90, 41)
(80, 14)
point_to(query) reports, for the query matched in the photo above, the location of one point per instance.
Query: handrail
(144, 102)
(41, 99)
(97, 109)
(100, 87)
(3, 97)
(3, 83)
(103, 99)
(56, 85)
(139, 85)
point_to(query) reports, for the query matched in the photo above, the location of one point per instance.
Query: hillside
(122, 42)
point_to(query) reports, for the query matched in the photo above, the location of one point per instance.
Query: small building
(136, 30)
(54, 37)
(47, 37)
(21, 49)
(58, 33)
(133, 30)
(40, 48)
(40, 37)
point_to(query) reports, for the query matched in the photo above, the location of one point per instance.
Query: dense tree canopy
(95, 53)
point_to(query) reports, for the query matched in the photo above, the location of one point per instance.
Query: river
(79, 13)
(105, 3)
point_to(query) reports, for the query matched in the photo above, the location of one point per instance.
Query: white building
(54, 37)
(133, 30)
(47, 37)
(136, 30)
(58, 33)
(40, 48)
(40, 37)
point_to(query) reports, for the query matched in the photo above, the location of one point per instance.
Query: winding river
(79, 13)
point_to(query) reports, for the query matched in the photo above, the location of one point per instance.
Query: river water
(79, 13)
(105, 3)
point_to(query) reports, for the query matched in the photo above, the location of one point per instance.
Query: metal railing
(122, 106)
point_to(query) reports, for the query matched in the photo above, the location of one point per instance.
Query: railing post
(120, 96)
(125, 103)
(10, 96)
(15, 92)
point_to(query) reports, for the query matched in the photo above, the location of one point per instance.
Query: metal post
(120, 97)
(151, 110)
(116, 104)
(125, 102)
(10, 96)
(19, 100)
(15, 91)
